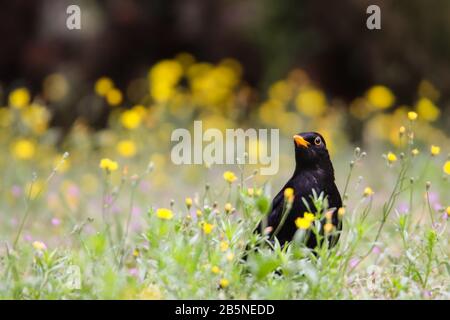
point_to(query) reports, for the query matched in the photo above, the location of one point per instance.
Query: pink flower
(56, 222)
(353, 262)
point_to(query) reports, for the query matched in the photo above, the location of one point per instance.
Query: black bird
(313, 171)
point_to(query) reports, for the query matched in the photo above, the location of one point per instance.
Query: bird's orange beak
(300, 141)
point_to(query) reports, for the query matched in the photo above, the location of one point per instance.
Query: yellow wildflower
(427, 110)
(380, 97)
(341, 212)
(164, 214)
(188, 202)
(446, 167)
(39, 246)
(19, 98)
(114, 97)
(309, 216)
(207, 228)
(415, 152)
(391, 157)
(131, 119)
(311, 102)
(435, 150)
(136, 252)
(224, 246)
(302, 223)
(289, 194)
(23, 149)
(198, 212)
(402, 130)
(109, 165)
(228, 207)
(412, 115)
(126, 148)
(215, 269)
(224, 283)
(103, 85)
(448, 211)
(368, 192)
(229, 176)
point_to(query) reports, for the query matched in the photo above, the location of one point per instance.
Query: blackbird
(313, 171)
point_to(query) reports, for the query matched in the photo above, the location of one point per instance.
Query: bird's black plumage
(313, 171)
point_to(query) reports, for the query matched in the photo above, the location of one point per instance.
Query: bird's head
(310, 150)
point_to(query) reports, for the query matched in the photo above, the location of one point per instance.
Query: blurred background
(326, 39)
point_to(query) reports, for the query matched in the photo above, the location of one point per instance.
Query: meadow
(104, 213)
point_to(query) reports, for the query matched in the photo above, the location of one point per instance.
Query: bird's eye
(317, 141)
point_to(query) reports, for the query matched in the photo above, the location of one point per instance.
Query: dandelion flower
(164, 214)
(188, 202)
(23, 149)
(415, 152)
(368, 192)
(446, 167)
(228, 207)
(289, 194)
(224, 246)
(309, 216)
(131, 119)
(207, 228)
(412, 115)
(109, 165)
(19, 98)
(435, 150)
(103, 85)
(328, 227)
(427, 110)
(229, 176)
(215, 269)
(198, 212)
(39, 246)
(114, 97)
(380, 97)
(224, 283)
(391, 157)
(302, 223)
(126, 148)
(448, 211)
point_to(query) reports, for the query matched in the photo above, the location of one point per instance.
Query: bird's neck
(323, 169)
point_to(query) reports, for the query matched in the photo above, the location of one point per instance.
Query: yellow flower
(39, 246)
(380, 97)
(391, 157)
(302, 223)
(131, 119)
(446, 167)
(207, 228)
(126, 148)
(368, 192)
(427, 110)
(448, 211)
(19, 98)
(108, 165)
(341, 212)
(103, 85)
(309, 216)
(228, 207)
(435, 150)
(412, 115)
(164, 214)
(328, 227)
(224, 246)
(224, 283)
(114, 97)
(215, 269)
(289, 194)
(188, 202)
(198, 212)
(136, 252)
(311, 102)
(402, 130)
(250, 192)
(415, 152)
(23, 149)
(229, 176)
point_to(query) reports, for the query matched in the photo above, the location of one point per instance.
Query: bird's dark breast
(303, 183)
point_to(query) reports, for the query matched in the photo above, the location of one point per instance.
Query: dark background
(328, 39)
